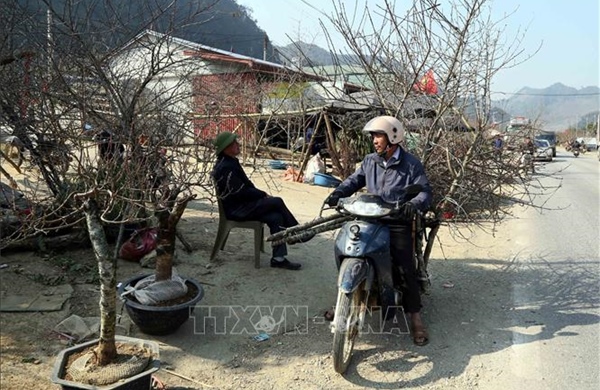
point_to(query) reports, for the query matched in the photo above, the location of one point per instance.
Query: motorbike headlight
(355, 232)
(366, 209)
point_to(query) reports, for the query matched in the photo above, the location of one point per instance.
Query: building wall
(214, 95)
(221, 100)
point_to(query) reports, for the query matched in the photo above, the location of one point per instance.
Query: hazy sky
(567, 30)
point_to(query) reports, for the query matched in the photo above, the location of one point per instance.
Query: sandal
(157, 384)
(329, 314)
(420, 337)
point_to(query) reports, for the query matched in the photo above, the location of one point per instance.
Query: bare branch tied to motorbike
(367, 279)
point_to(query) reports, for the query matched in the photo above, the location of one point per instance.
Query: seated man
(108, 148)
(242, 201)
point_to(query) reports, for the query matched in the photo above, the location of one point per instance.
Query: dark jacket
(389, 181)
(236, 191)
(108, 149)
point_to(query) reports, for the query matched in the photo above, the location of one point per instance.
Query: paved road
(537, 325)
(567, 290)
(519, 310)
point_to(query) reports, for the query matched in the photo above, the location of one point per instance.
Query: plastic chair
(225, 226)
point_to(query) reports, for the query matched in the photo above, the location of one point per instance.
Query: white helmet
(389, 125)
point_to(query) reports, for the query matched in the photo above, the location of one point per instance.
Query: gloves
(408, 211)
(333, 199)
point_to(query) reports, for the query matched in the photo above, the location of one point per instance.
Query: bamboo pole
(332, 149)
(187, 378)
(7, 158)
(13, 183)
(310, 144)
(186, 245)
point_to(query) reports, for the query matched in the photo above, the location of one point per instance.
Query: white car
(543, 150)
(591, 144)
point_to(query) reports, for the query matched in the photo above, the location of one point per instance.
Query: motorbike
(526, 161)
(367, 279)
(576, 151)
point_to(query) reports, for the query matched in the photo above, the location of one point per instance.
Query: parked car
(549, 136)
(591, 144)
(543, 151)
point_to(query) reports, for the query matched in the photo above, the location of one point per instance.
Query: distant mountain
(306, 54)
(223, 24)
(555, 107)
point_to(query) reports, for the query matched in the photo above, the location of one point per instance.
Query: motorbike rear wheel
(349, 312)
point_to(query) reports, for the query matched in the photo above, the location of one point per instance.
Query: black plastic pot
(159, 320)
(141, 381)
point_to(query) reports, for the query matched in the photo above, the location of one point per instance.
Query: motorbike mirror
(413, 189)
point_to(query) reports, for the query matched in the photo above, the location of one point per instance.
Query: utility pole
(49, 40)
(265, 42)
(598, 128)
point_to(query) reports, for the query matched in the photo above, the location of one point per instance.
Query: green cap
(223, 140)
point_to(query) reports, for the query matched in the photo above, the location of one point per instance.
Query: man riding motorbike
(527, 153)
(386, 173)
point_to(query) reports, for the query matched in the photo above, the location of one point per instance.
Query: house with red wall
(225, 90)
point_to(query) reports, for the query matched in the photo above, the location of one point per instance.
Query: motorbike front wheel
(349, 312)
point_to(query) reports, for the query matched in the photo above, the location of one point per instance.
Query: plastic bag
(78, 328)
(315, 165)
(149, 292)
(139, 244)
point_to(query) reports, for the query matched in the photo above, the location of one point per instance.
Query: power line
(549, 94)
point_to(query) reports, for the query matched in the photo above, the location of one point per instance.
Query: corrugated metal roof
(223, 55)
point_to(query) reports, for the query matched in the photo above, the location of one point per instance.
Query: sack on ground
(315, 165)
(139, 244)
(149, 292)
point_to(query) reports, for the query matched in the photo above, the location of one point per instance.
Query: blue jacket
(389, 181)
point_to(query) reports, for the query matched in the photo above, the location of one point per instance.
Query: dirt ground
(224, 355)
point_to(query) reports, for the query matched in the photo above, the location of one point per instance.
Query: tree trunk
(302, 235)
(165, 249)
(304, 226)
(106, 351)
(167, 234)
